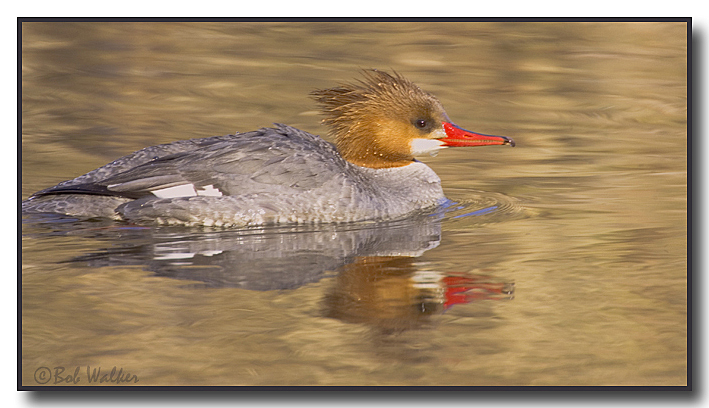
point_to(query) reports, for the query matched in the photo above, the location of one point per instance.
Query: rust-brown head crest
(383, 120)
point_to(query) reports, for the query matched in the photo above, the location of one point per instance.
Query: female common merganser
(282, 174)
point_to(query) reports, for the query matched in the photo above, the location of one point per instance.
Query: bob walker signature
(96, 375)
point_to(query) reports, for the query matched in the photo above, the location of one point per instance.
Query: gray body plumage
(269, 176)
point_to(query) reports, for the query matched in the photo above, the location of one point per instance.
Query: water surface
(562, 261)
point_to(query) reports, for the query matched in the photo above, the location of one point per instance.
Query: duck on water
(282, 174)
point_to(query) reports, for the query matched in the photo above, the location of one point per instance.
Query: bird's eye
(421, 123)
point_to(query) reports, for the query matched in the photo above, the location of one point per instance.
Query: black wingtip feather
(90, 189)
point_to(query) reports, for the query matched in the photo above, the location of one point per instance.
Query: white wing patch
(209, 191)
(187, 190)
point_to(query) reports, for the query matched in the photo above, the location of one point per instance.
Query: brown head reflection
(391, 293)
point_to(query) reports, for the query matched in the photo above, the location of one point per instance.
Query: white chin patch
(187, 190)
(425, 146)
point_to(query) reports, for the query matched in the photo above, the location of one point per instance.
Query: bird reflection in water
(393, 295)
(378, 277)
